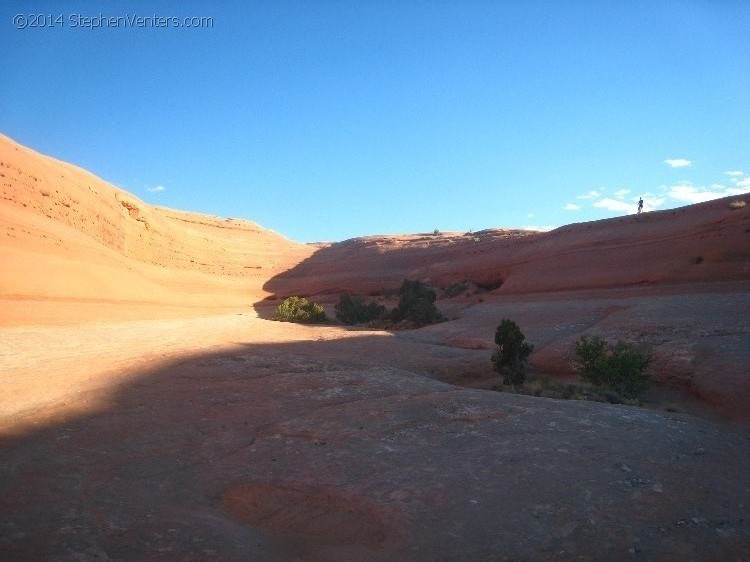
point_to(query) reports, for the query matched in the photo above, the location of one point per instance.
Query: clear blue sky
(331, 119)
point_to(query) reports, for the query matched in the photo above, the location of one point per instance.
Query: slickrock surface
(150, 411)
(75, 247)
(704, 242)
(312, 443)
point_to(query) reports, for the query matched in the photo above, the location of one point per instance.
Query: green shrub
(455, 290)
(298, 309)
(509, 359)
(592, 360)
(621, 368)
(354, 311)
(416, 304)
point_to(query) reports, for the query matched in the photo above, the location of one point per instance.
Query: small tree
(298, 309)
(354, 311)
(621, 367)
(509, 359)
(416, 304)
(592, 361)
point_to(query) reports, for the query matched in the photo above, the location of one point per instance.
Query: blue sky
(327, 120)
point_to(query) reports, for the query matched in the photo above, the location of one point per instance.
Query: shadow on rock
(310, 451)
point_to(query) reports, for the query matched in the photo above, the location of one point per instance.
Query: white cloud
(621, 193)
(615, 205)
(593, 194)
(691, 194)
(156, 189)
(677, 162)
(685, 192)
(545, 228)
(651, 203)
(530, 215)
(688, 193)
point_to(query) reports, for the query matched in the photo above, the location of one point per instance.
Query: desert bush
(416, 304)
(546, 387)
(455, 290)
(620, 368)
(298, 309)
(509, 359)
(489, 284)
(736, 204)
(354, 311)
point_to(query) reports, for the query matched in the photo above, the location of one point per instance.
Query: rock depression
(148, 412)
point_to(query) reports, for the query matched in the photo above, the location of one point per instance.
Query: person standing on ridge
(640, 205)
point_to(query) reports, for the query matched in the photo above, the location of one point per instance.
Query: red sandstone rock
(148, 413)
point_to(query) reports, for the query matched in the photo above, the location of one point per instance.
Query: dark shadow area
(649, 249)
(325, 450)
(377, 266)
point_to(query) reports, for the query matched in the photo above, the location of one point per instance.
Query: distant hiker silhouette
(640, 205)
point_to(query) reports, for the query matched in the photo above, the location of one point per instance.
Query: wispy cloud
(156, 189)
(677, 162)
(651, 201)
(689, 193)
(593, 194)
(621, 193)
(615, 205)
(739, 180)
(545, 228)
(622, 200)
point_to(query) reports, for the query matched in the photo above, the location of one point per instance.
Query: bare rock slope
(148, 412)
(316, 443)
(70, 236)
(675, 283)
(705, 242)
